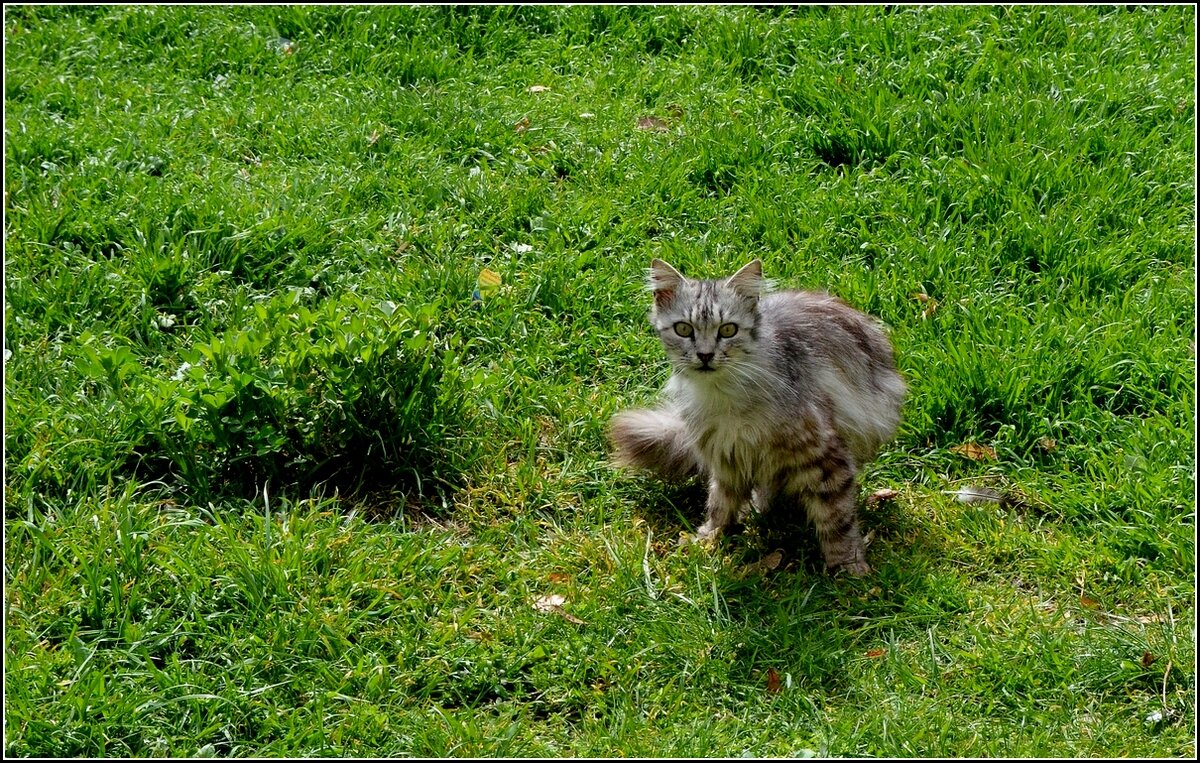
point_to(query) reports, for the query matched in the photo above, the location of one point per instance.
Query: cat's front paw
(706, 535)
(709, 531)
(695, 539)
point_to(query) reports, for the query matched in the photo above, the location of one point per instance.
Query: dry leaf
(876, 653)
(1088, 601)
(1047, 444)
(548, 602)
(1148, 659)
(975, 451)
(374, 138)
(522, 124)
(538, 89)
(560, 577)
(553, 603)
(766, 564)
(774, 685)
(881, 495)
(771, 560)
(653, 123)
(920, 296)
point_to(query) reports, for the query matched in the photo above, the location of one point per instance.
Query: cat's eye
(727, 330)
(683, 329)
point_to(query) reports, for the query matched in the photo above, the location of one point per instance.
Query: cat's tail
(655, 440)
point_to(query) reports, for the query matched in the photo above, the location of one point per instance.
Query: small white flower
(164, 321)
(521, 248)
(178, 375)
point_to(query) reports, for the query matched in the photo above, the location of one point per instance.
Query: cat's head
(706, 327)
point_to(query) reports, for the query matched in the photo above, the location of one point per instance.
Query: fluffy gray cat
(777, 399)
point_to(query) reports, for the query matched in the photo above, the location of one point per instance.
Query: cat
(776, 398)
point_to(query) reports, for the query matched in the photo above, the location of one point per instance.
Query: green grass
(327, 533)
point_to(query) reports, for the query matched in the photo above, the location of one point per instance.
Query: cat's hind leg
(836, 521)
(826, 490)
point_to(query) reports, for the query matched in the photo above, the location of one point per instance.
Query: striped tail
(655, 440)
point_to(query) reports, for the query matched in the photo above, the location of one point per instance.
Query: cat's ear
(664, 282)
(748, 281)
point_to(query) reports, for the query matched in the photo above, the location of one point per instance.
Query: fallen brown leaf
(553, 603)
(881, 495)
(1088, 601)
(1148, 659)
(548, 602)
(1047, 444)
(774, 685)
(560, 577)
(876, 653)
(522, 124)
(975, 451)
(766, 564)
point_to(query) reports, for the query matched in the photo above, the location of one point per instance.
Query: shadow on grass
(671, 510)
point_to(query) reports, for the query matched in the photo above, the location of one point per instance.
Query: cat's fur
(783, 412)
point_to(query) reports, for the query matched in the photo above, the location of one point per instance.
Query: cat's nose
(705, 357)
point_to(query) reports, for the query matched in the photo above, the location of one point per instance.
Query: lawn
(314, 318)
